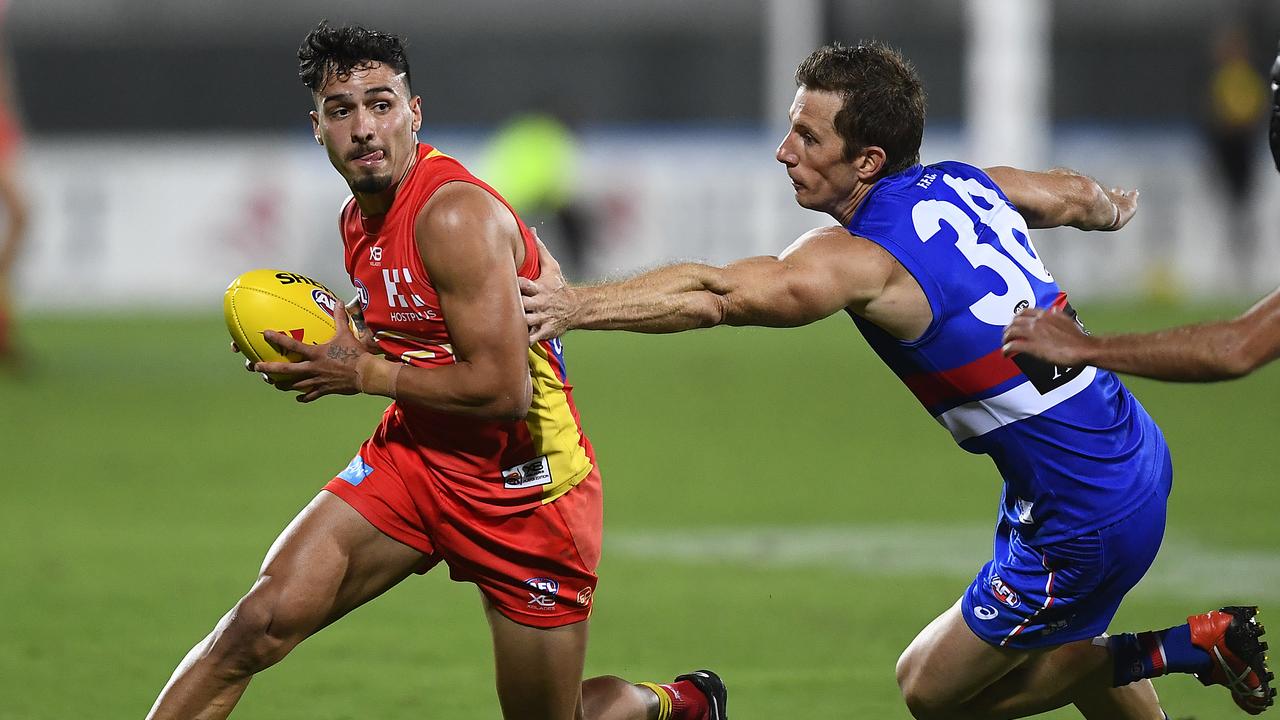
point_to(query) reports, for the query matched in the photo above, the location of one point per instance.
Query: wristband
(375, 376)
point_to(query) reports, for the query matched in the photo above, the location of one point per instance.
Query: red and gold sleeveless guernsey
(500, 467)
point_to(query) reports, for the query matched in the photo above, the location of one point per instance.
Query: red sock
(687, 701)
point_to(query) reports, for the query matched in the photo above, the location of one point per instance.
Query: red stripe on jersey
(962, 382)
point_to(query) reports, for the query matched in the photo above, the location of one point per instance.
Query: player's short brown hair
(884, 100)
(329, 50)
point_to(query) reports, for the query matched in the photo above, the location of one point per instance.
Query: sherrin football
(286, 302)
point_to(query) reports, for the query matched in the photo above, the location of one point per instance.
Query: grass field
(778, 509)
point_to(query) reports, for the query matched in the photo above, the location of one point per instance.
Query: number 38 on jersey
(1014, 260)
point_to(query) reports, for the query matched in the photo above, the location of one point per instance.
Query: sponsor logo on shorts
(1004, 593)
(584, 596)
(543, 592)
(985, 612)
(530, 474)
(324, 300)
(357, 470)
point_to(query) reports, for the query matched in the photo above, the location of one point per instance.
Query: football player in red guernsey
(479, 462)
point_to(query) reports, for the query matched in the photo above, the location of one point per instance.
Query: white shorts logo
(985, 612)
(530, 474)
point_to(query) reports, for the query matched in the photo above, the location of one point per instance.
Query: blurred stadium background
(779, 509)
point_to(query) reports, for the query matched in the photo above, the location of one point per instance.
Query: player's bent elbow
(516, 407)
(711, 310)
(508, 410)
(1239, 355)
(1236, 362)
(510, 403)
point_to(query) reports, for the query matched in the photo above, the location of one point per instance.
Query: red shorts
(537, 567)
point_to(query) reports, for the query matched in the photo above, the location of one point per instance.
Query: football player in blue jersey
(931, 263)
(1195, 353)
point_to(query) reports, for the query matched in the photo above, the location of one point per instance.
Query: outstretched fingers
(1126, 204)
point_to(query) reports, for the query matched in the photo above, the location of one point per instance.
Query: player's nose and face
(813, 151)
(366, 121)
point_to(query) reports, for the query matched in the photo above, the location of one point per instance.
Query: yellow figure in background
(532, 160)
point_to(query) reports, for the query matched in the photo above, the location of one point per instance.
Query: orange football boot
(1239, 663)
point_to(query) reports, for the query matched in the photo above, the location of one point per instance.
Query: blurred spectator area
(137, 65)
(189, 115)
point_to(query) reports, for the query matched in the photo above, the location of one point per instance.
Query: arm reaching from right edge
(1194, 353)
(1062, 197)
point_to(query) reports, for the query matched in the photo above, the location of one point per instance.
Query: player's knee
(920, 696)
(906, 671)
(924, 705)
(257, 634)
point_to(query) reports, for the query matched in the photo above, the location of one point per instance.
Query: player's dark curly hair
(884, 101)
(339, 50)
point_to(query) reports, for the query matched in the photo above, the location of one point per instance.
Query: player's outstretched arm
(1193, 353)
(821, 273)
(1062, 197)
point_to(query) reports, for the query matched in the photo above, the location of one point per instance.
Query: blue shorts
(1044, 595)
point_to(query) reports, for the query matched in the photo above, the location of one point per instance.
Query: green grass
(148, 473)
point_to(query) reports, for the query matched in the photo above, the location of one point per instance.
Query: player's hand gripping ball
(286, 302)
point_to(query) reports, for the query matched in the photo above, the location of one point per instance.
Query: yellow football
(286, 302)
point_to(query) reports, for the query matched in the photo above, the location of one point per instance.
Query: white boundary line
(1186, 568)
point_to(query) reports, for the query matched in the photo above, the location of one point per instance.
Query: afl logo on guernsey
(362, 294)
(324, 300)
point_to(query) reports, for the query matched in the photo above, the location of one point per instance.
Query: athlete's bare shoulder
(882, 290)
(458, 204)
(461, 212)
(861, 261)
